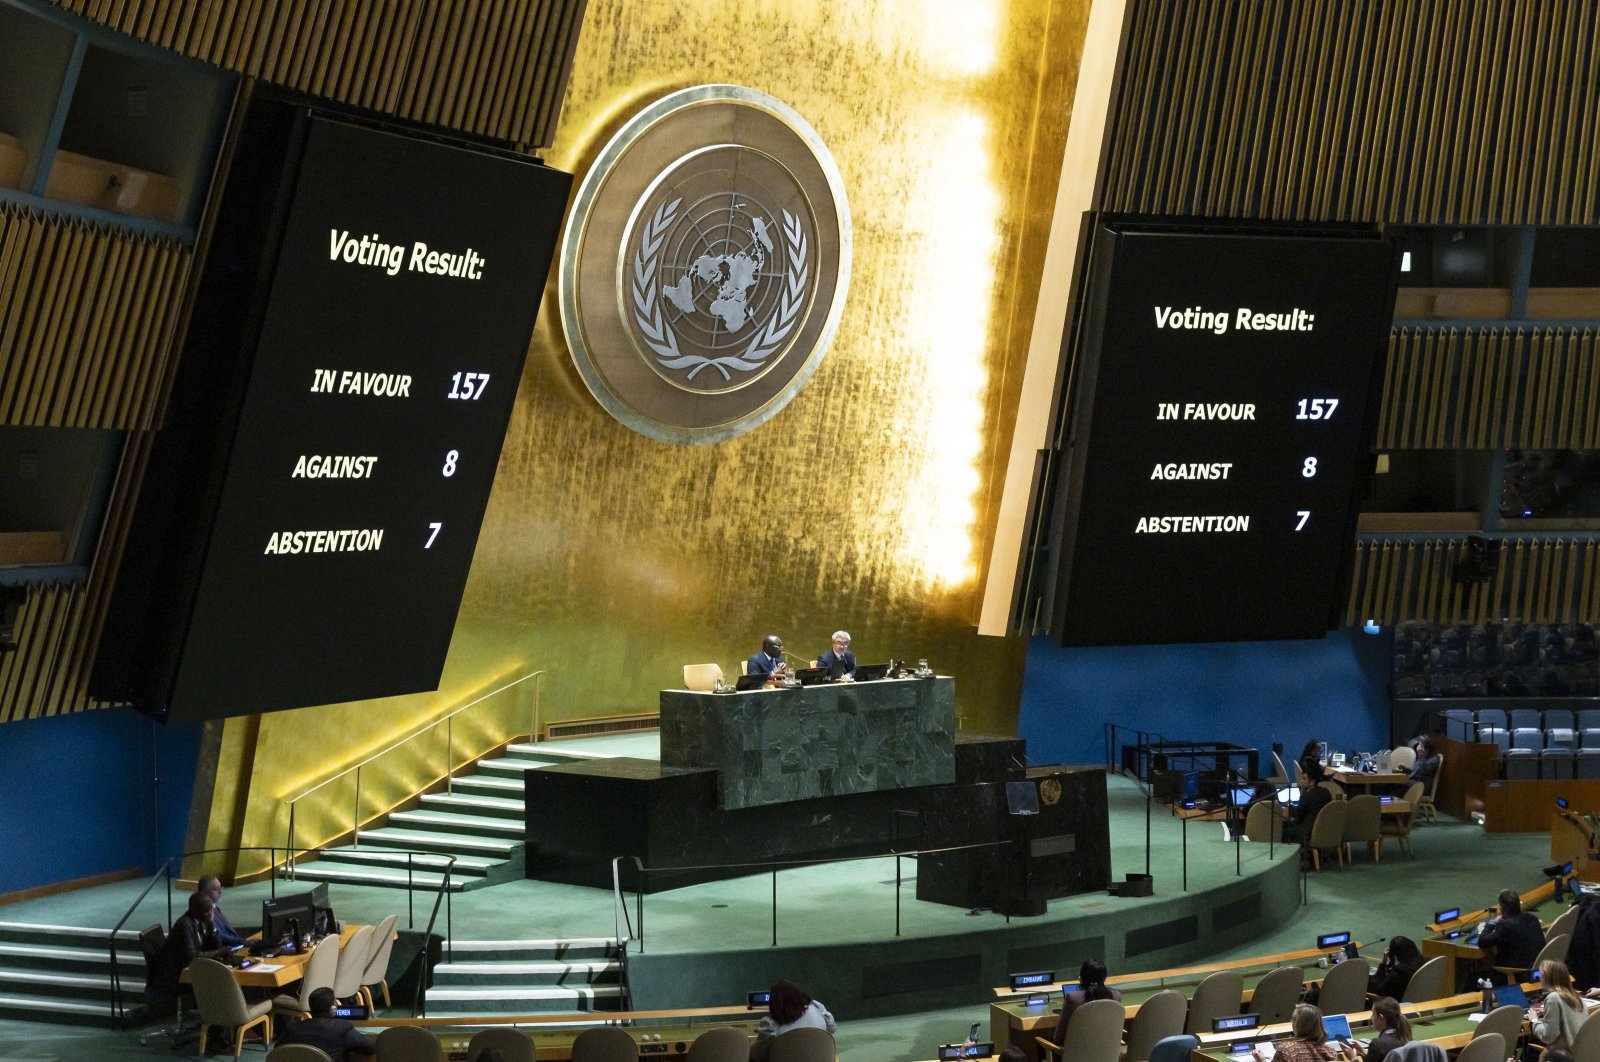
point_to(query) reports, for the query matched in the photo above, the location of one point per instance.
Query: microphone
(797, 662)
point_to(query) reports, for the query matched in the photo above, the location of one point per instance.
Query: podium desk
(788, 744)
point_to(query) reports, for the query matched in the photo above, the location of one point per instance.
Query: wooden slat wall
(1479, 389)
(87, 320)
(59, 626)
(1554, 580)
(1427, 111)
(494, 68)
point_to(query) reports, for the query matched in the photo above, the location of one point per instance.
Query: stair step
(548, 973)
(437, 841)
(476, 804)
(33, 956)
(464, 864)
(525, 999)
(46, 1008)
(57, 985)
(571, 949)
(546, 751)
(467, 824)
(490, 784)
(353, 875)
(44, 933)
(540, 992)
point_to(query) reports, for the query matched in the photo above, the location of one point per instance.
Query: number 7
(1304, 515)
(432, 534)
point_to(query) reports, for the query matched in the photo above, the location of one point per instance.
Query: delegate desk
(780, 745)
(1012, 1021)
(1447, 1022)
(1457, 941)
(278, 972)
(658, 1033)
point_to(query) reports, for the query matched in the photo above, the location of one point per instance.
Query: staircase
(527, 977)
(480, 821)
(62, 974)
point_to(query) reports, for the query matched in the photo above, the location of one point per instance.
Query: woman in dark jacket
(1091, 986)
(1400, 960)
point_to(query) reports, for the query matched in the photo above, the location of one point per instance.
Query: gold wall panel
(1479, 389)
(1426, 111)
(497, 68)
(612, 559)
(1411, 579)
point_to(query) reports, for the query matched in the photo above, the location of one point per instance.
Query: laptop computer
(745, 683)
(1240, 797)
(872, 672)
(1337, 1026)
(811, 676)
(1511, 996)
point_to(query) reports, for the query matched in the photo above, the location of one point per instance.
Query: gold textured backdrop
(611, 559)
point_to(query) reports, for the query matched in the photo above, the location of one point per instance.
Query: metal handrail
(419, 1002)
(620, 908)
(166, 872)
(447, 721)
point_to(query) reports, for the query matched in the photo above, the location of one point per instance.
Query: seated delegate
(1401, 959)
(1393, 1029)
(1091, 986)
(789, 1008)
(839, 660)
(1308, 1041)
(769, 661)
(193, 936)
(1512, 939)
(335, 1036)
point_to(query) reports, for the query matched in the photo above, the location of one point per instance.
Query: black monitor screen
(285, 915)
(375, 335)
(1223, 403)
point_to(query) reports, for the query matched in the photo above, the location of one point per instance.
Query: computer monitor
(279, 916)
(322, 911)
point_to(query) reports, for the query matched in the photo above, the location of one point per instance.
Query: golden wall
(612, 560)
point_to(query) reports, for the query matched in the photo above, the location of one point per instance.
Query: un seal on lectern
(705, 264)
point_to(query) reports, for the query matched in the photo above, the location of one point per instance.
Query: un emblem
(705, 264)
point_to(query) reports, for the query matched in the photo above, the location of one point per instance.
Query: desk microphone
(794, 661)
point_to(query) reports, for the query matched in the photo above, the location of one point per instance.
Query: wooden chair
(1327, 834)
(298, 1053)
(1427, 983)
(319, 971)
(1586, 1042)
(605, 1043)
(1424, 803)
(220, 1001)
(1217, 995)
(377, 971)
(1160, 1017)
(1399, 826)
(1507, 1021)
(1402, 758)
(702, 678)
(352, 964)
(1565, 924)
(1363, 824)
(1262, 823)
(725, 1044)
(408, 1043)
(1277, 993)
(1282, 777)
(514, 1044)
(1491, 1047)
(1344, 989)
(1175, 1048)
(1555, 949)
(1093, 1035)
(796, 1045)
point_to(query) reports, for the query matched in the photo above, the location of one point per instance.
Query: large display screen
(393, 320)
(1226, 383)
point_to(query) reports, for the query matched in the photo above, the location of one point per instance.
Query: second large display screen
(1222, 424)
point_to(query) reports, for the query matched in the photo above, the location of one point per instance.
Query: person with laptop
(769, 661)
(839, 660)
(1513, 939)
(1091, 986)
(1557, 1020)
(1308, 1040)
(1392, 1027)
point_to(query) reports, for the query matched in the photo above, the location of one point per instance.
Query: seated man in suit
(1512, 939)
(840, 661)
(193, 936)
(337, 1037)
(211, 885)
(770, 660)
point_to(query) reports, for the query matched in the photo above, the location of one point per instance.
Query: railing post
(897, 894)
(533, 728)
(411, 891)
(450, 755)
(355, 817)
(774, 907)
